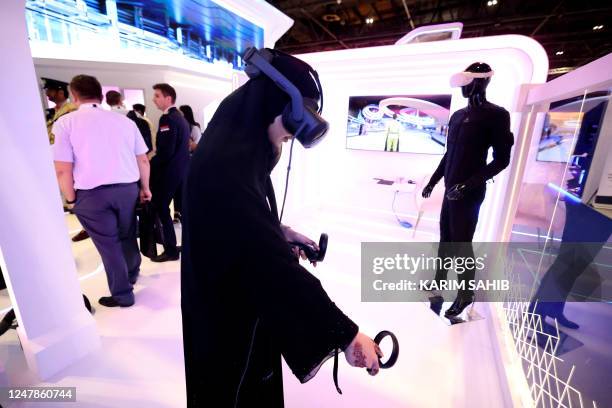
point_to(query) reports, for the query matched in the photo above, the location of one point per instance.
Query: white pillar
(55, 329)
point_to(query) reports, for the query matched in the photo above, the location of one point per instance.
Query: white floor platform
(140, 363)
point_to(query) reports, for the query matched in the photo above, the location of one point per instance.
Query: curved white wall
(329, 173)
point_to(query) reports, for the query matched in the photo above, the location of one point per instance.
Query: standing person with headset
(245, 298)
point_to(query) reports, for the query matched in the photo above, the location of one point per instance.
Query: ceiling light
(598, 27)
(331, 18)
(492, 3)
(559, 53)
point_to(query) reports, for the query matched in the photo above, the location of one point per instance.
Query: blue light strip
(564, 192)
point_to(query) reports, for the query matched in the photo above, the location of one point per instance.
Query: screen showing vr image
(199, 29)
(405, 124)
(570, 133)
(571, 123)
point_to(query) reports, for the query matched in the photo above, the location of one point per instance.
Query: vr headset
(300, 117)
(476, 70)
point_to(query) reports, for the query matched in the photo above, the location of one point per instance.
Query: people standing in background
(99, 159)
(115, 101)
(143, 127)
(169, 165)
(196, 135)
(196, 131)
(140, 111)
(57, 92)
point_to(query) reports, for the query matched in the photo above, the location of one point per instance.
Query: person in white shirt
(100, 157)
(115, 101)
(194, 139)
(196, 131)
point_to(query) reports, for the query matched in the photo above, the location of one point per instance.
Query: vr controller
(394, 354)
(311, 253)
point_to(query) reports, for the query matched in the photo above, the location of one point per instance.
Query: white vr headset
(465, 78)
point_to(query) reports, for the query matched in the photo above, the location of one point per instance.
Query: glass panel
(566, 265)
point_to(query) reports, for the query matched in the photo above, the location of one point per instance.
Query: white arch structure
(439, 113)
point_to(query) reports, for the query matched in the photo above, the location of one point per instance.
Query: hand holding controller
(311, 253)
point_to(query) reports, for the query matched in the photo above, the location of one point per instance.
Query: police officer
(169, 164)
(57, 92)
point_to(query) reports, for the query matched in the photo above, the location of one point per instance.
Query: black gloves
(427, 191)
(456, 192)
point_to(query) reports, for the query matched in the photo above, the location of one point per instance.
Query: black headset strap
(313, 73)
(311, 70)
(297, 102)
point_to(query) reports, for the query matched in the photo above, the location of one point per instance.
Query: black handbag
(150, 229)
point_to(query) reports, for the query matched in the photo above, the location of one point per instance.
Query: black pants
(178, 200)
(161, 200)
(178, 196)
(458, 220)
(584, 234)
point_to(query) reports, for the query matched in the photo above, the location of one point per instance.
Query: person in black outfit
(143, 127)
(472, 131)
(169, 164)
(194, 138)
(585, 233)
(245, 299)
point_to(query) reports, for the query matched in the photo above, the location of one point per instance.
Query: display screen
(199, 29)
(570, 133)
(565, 125)
(399, 124)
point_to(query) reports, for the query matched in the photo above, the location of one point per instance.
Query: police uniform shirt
(66, 108)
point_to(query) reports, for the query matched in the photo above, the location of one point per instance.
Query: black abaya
(245, 299)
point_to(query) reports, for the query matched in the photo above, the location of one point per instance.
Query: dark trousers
(178, 200)
(584, 234)
(108, 214)
(161, 201)
(458, 220)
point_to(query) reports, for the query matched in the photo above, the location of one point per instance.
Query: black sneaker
(459, 305)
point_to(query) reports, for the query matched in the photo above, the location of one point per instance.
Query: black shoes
(436, 303)
(554, 310)
(459, 305)
(565, 322)
(165, 257)
(110, 301)
(80, 236)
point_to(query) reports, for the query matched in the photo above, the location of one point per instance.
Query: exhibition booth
(354, 185)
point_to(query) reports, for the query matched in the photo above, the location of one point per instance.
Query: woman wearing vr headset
(245, 299)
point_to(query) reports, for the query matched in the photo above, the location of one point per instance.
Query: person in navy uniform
(472, 132)
(169, 164)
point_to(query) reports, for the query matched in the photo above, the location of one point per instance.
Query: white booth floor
(140, 363)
